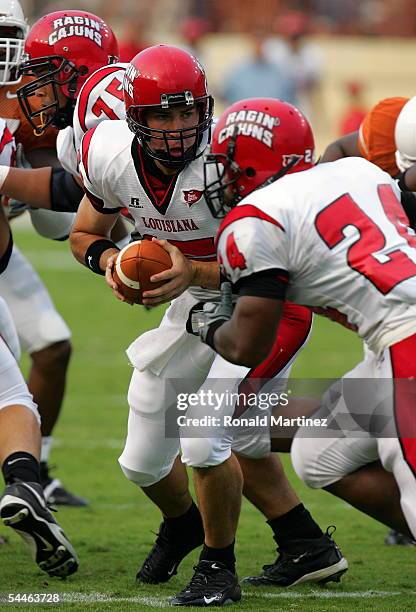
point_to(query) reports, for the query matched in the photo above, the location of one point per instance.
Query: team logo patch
(192, 196)
(288, 159)
(76, 26)
(252, 123)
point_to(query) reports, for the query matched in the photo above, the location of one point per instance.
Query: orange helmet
(376, 134)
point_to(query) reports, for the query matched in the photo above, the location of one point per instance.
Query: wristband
(4, 172)
(94, 252)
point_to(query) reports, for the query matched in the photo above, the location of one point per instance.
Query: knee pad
(143, 479)
(205, 452)
(254, 445)
(305, 462)
(148, 454)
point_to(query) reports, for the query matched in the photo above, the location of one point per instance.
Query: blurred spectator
(303, 59)
(131, 41)
(355, 110)
(257, 76)
(193, 31)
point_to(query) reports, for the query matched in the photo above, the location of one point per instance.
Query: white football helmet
(13, 31)
(405, 136)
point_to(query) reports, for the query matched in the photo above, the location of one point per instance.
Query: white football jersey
(113, 172)
(7, 145)
(339, 235)
(100, 98)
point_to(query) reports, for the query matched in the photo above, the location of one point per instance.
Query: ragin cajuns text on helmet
(255, 142)
(62, 50)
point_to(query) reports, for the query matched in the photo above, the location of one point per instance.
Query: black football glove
(206, 317)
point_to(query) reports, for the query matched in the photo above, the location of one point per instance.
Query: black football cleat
(163, 560)
(23, 508)
(56, 494)
(54, 491)
(317, 560)
(395, 538)
(211, 585)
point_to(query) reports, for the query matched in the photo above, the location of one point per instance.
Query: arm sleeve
(268, 283)
(66, 194)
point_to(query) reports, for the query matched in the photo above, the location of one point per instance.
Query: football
(135, 264)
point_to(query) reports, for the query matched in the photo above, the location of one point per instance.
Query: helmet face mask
(62, 50)
(178, 146)
(170, 82)
(221, 174)
(48, 74)
(255, 142)
(13, 31)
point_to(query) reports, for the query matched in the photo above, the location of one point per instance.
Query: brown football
(135, 264)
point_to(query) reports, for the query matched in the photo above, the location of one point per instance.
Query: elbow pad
(66, 194)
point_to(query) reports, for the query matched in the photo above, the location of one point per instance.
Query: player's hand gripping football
(111, 262)
(175, 280)
(205, 317)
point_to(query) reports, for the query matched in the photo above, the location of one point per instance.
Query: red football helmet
(255, 142)
(162, 77)
(61, 51)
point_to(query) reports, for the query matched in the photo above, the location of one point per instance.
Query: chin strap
(65, 115)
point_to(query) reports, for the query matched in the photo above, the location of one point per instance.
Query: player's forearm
(29, 185)
(206, 274)
(80, 242)
(237, 347)
(346, 146)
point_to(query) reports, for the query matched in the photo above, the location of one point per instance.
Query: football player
(153, 165)
(332, 236)
(386, 138)
(62, 50)
(22, 505)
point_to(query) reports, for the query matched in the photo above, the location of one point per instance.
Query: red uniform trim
(94, 79)
(292, 333)
(202, 248)
(241, 212)
(6, 138)
(85, 145)
(402, 356)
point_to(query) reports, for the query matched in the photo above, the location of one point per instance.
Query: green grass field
(114, 533)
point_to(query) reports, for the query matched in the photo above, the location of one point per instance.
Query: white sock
(45, 448)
